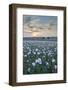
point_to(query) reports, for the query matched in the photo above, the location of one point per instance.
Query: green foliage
(38, 59)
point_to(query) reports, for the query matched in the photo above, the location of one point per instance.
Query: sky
(39, 26)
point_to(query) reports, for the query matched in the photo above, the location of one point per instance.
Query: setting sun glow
(35, 34)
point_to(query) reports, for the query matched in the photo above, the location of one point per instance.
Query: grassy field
(39, 57)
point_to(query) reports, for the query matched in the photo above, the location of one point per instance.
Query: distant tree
(43, 37)
(48, 37)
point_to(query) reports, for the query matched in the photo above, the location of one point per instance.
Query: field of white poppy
(39, 57)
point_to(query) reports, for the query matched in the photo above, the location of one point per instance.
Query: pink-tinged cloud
(27, 34)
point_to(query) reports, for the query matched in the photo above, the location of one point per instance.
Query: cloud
(34, 24)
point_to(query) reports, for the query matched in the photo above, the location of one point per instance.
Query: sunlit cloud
(40, 26)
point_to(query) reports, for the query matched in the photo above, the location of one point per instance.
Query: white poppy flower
(44, 52)
(53, 60)
(33, 64)
(39, 61)
(49, 54)
(55, 66)
(43, 56)
(36, 49)
(25, 55)
(28, 48)
(36, 60)
(29, 53)
(34, 53)
(27, 60)
(28, 69)
(47, 63)
(38, 53)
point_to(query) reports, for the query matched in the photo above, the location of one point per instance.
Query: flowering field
(39, 57)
